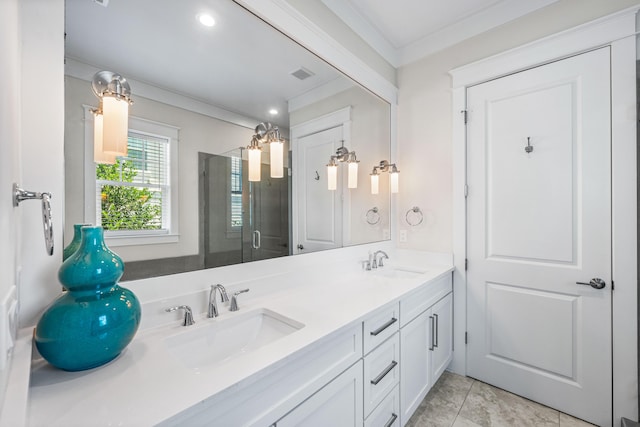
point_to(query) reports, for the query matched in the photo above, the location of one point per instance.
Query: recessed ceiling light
(273, 112)
(206, 19)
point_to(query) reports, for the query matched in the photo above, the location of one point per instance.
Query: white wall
(9, 156)
(42, 121)
(425, 118)
(198, 133)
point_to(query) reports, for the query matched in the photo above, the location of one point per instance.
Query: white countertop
(146, 384)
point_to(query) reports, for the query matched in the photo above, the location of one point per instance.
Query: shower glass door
(241, 221)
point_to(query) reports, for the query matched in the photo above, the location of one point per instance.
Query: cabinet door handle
(392, 420)
(435, 316)
(431, 326)
(384, 373)
(383, 327)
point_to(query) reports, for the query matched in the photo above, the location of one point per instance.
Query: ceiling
(403, 31)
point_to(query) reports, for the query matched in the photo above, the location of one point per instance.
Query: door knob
(596, 283)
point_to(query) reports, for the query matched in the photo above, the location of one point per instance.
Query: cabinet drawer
(423, 298)
(381, 372)
(387, 413)
(380, 326)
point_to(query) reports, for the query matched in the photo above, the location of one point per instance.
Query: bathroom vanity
(306, 347)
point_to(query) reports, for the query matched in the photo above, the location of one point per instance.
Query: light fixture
(343, 155)
(375, 181)
(273, 112)
(332, 174)
(206, 19)
(394, 176)
(266, 133)
(114, 93)
(99, 156)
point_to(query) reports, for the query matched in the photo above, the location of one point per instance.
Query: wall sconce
(342, 155)
(394, 176)
(266, 133)
(111, 119)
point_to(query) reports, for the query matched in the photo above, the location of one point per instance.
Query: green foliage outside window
(127, 207)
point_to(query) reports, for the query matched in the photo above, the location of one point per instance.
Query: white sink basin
(397, 272)
(213, 341)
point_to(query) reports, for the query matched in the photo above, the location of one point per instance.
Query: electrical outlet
(403, 236)
(385, 234)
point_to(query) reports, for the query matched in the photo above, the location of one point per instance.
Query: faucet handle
(188, 314)
(234, 300)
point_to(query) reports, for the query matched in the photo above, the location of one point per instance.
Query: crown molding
(470, 26)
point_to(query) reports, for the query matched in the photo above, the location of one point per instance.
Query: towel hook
(529, 147)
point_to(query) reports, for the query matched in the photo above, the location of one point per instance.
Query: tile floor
(456, 401)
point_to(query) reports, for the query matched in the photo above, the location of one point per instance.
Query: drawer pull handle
(385, 326)
(431, 325)
(392, 420)
(384, 373)
(435, 316)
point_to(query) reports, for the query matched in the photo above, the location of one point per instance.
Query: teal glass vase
(75, 242)
(96, 319)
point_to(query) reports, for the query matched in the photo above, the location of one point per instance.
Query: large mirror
(181, 199)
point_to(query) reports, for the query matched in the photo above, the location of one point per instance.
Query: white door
(538, 222)
(319, 209)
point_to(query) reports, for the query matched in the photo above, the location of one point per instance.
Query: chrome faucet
(213, 305)
(188, 314)
(234, 300)
(382, 258)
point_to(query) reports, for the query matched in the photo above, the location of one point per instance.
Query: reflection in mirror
(199, 93)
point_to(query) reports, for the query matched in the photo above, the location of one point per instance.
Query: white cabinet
(337, 404)
(426, 342)
(386, 414)
(442, 341)
(415, 372)
(379, 326)
(381, 372)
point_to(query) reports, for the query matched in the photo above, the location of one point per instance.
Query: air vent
(103, 3)
(301, 73)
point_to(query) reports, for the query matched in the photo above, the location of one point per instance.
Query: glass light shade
(99, 156)
(393, 181)
(255, 163)
(115, 131)
(375, 180)
(353, 175)
(277, 159)
(332, 177)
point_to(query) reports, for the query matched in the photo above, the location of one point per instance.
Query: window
(236, 192)
(136, 198)
(132, 193)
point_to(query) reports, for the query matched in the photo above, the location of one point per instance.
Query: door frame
(617, 31)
